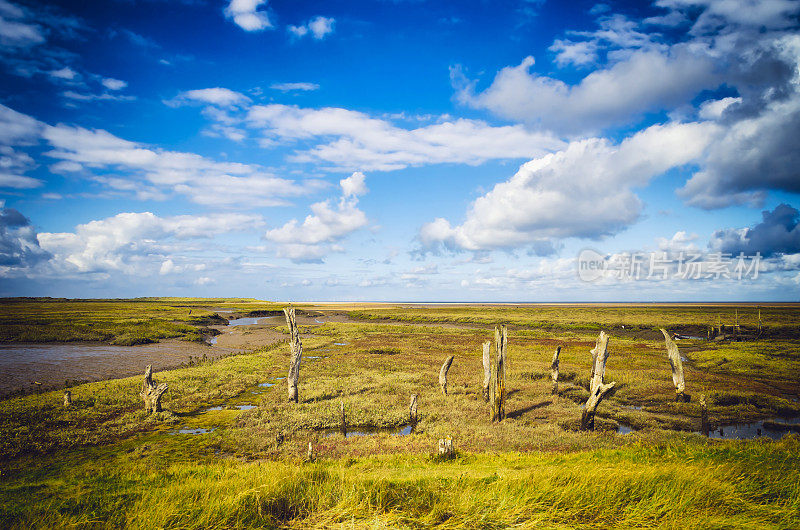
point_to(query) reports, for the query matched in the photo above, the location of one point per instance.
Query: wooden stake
(446, 446)
(344, 420)
(67, 398)
(310, 453)
(554, 370)
(293, 378)
(487, 368)
(151, 394)
(412, 411)
(704, 427)
(677, 367)
(497, 383)
(597, 389)
(443, 374)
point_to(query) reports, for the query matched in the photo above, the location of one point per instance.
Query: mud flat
(52, 364)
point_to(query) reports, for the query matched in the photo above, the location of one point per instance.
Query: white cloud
(15, 32)
(363, 142)
(66, 73)
(18, 181)
(221, 97)
(321, 26)
(246, 15)
(577, 53)
(288, 87)
(202, 180)
(645, 81)
(113, 84)
(326, 225)
(131, 242)
(354, 185)
(586, 191)
(317, 27)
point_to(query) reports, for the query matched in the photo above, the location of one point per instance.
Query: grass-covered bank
(654, 481)
(120, 322)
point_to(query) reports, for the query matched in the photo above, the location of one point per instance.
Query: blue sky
(400, 150)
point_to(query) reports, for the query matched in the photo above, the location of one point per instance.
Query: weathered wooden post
(292, 379)
(412, 411)
(677, 367)
(497, 383)
(597, 389)
(151, 394)
(704, 427)
(759, 321)
(67, 398)
(310, 453)
(443, 374)
(487, 368)
(446, 446)
(344, 420)
(554, 370)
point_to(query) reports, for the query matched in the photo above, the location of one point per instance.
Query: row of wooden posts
(494, 380)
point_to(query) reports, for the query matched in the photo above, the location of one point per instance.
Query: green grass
(103, 463)
(120, 322)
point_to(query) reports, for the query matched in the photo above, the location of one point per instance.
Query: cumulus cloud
(246, 14)
(19, 247)
(586, 190)
(324, 227)
(777, 233)
(130, 242)
(317, 27)
(362, 141)
(646, 81)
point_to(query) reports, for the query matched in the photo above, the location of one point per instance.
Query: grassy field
(104, 463)
(120, 322)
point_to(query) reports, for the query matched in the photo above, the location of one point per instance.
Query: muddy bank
(53, 364)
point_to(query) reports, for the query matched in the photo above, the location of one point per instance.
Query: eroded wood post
(293, 377)
(497, 383)
(554, 370)
(344, 420)
(443, 374)
(310, 453)
(151, 394)
(446, 446)
(412, 411)
(67, 398)
(677, 367)
(597, 389)
(704, 427)
(487, 368)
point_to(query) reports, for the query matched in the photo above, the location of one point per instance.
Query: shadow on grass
(520, 412)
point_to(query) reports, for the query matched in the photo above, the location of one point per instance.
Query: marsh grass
(104, 464)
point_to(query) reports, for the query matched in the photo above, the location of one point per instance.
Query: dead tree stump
(704, 427)
(151, 394)
(67, 398)
(597, 389)
(497, 382)
(554, 370)
(293, 377)
(487, 368)
(677, 367)
(412, 411)
(443, 374)
(446, 446)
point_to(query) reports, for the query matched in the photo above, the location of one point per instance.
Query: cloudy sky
(400, 150)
